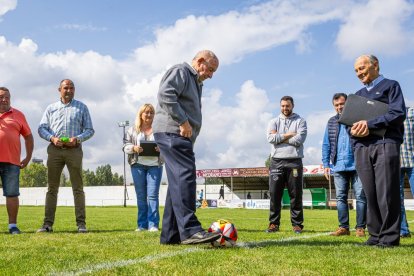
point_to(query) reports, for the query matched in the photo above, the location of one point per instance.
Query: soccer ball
(228, 233)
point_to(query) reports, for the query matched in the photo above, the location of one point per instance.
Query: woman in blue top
(146, 170)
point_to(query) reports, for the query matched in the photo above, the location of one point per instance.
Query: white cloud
(377, 26)
(409, 103)
(6, 6)
(317, 121)
(232, 35)
(81, 27)
(27, 46)
(313, 156)
(232, 135)
(113, 90)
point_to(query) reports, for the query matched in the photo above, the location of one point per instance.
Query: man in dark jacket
(378, 158)
(337, 152)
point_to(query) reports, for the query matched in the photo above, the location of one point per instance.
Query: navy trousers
(179, 220)
(378, 167)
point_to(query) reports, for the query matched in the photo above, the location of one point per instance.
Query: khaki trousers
(56, 161)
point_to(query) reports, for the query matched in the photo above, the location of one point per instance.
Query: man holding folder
(378, 158)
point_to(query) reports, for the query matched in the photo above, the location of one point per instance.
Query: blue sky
(117, 51)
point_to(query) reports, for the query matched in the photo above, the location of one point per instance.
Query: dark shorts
(9, 175)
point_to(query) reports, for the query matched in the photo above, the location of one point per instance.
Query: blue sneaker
(14, 230)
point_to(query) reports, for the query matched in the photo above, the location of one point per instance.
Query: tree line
(35, 175)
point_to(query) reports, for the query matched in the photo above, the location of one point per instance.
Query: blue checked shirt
(407, 148)
(69, 120)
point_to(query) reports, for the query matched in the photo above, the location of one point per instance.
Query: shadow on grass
(296, 241)
(119, 231)
(282, 230)
(90, 231)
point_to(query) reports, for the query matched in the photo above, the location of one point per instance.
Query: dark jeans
(405, 230)
(285, 172)
(343, 182)
(179, 220)
(378, 167)
(9, 174)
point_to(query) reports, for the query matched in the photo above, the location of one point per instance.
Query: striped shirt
(407, 148)
(66, 120)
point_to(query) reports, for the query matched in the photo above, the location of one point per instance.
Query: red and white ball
(228, 233)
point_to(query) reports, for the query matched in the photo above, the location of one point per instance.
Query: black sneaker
(82, 229)
(14, 230)
(272, 228)
(408, 235)
(45, 229)
(202, 237)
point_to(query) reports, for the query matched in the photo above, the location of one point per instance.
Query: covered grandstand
(244, 180)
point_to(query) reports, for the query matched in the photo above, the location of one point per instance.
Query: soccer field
(113, 247)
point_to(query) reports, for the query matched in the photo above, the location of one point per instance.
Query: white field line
(150, 258)
(288, 239)
(282, 240)
(122, 263)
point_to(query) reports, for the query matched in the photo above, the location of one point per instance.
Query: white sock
(11, 225)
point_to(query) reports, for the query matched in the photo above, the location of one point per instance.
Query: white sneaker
(153, 229)
(45, 228)
(139, 229)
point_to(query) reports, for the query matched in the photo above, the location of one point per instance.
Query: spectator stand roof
(258, 178)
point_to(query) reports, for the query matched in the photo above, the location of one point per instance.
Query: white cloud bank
(232, 136)
(81, 27)
(377, 26)
(6, 6)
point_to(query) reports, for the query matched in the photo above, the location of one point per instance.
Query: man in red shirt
(12, 124)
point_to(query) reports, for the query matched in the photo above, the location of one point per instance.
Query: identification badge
(295, 172)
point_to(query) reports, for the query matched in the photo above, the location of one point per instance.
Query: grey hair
(207, 54)
(372, 59)
(66, 80)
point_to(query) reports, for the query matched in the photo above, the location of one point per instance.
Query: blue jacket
(341, 157)
(330, 141)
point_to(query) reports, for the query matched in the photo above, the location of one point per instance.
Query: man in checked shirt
(66, 124)
(407, 164)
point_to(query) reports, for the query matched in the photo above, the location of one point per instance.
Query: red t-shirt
(12, 124)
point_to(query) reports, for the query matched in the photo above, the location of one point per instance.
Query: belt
(66, 147)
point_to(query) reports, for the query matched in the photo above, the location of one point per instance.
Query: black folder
(359, 108)
(148, 148)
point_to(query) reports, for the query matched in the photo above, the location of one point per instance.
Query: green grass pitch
(112, 247)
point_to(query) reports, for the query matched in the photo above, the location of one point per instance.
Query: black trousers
(286, 173)
(179, 221)
(378, 167)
